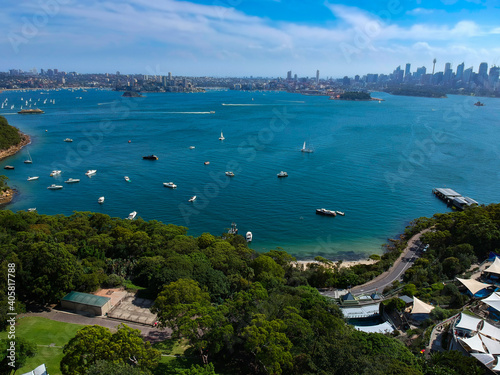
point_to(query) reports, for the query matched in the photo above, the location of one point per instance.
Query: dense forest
(9, 135)
(412, 90)
(243, 311)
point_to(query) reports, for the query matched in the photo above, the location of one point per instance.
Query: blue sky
(248, 37)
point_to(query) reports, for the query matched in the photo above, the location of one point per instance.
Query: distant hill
(9, 135)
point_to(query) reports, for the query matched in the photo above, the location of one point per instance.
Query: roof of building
(420, 307)
(379, 328)
(493, 346)
(495, 267)
(474, 286)
(483, 357)
(348, 297)
(468, 322)
(448, 192)
(40, 370)
(361, 311)
(86, 299)
(490, 330)
(406, 299)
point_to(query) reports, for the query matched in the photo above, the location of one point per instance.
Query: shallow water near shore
(377, 162)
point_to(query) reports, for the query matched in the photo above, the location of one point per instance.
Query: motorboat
(55, 187)
(68, 140)
(100, 200)
(150, 157)
(33, 209)
(127, 178)
(193, 198)
(72, 180)
(340, 213)
(132, 215)
(221, 138)
(170, 185)
(212, 112)
(249, 236)
(206, 163)
(191, 147)
(33, 178)
(91, 172)
(304, 149)
(55, 173)
(325, 212)
(282, 174)
(8, 167)
(230, 174)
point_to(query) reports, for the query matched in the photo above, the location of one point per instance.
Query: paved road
(409, 255)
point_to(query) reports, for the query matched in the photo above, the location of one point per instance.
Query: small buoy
(129, 141)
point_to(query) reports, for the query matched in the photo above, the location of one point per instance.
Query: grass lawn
(44, 332)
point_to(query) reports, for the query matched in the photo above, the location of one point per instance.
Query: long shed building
(88, 303)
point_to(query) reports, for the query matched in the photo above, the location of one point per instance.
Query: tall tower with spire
(433, 66)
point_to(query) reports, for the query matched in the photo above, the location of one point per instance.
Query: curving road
(409, 255)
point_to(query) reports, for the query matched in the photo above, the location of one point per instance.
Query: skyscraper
(483, 69)
(289, 75)
(447, 72)
(407, 70)
(460, 71)
(317, 76)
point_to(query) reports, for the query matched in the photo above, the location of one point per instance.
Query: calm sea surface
(376, 161)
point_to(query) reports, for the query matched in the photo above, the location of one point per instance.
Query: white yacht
(282, 174)
(193, 198)
(170, 185)
(72, 180)
(68, 140)
(55, 187)
(230, 174)
(55, 173)
(191, 147)
(100, 200)
(340, 213)
(132, 215)
(29, 160)
(249, 236)
(221, 138)
(33, 209)
(91, 172)
(33, 178)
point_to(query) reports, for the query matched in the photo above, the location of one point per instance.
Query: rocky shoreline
(25, 140)
(7, 196)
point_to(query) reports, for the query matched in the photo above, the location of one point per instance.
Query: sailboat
(221, 138)
(304, 149)
(28, 161)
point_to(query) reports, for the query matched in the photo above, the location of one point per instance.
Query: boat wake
(292, 101)
(246, 105)
(105, 103)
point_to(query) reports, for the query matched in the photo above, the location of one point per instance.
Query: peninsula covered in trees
(245, 312)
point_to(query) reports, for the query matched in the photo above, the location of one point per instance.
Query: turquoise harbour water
(376, 161)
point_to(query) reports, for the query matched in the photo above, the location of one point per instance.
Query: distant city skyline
(268, 38)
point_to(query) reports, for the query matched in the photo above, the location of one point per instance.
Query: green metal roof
(86, 299)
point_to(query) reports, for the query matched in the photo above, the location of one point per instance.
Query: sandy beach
(344, 264)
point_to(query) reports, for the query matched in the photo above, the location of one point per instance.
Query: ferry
(150, 157)
(325, 212)
(34, 111)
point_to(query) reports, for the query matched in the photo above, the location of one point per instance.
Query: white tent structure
(493, 346)
(420, 307)
(40, 370)
(379, 328)
(474, 286)
(468, 322)
(493, 301)
(497, 367)
(495, 267)
(484, 358)
(490, 331)
(474, 343)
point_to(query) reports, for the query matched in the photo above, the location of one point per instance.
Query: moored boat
(33, 209)
(127, 178)
(150, 157)
(170, 185)
(91, 172)
(72, 180)
(249, 236)
(33, 178)
(55, 173)
(221, 138)
(8, 167)
(68, 140)
(325, 212)
(206, 163)
(132, 215)
(230, 174)
(340, 213)
(193, 198)
(282, 174)
(55, 187)
(304, 149)
(100, 200)
(233, 229)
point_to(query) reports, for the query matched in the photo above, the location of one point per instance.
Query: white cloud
(419, 11)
